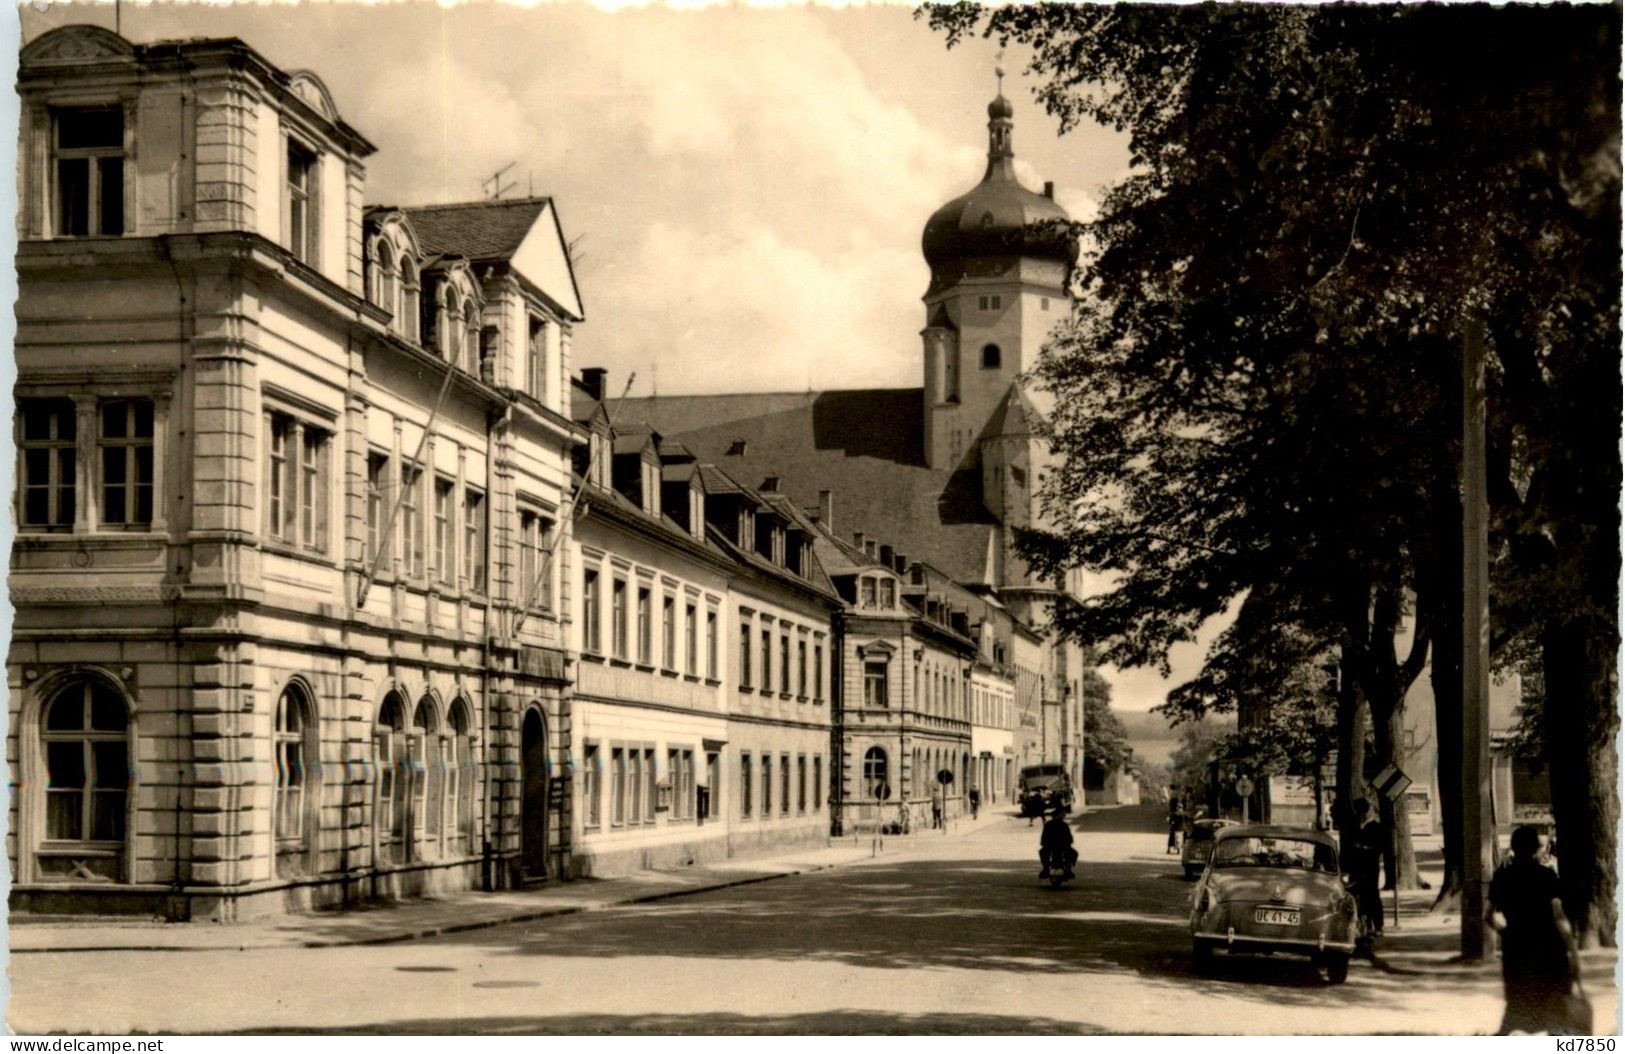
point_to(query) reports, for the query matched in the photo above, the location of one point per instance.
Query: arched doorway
(533, 769)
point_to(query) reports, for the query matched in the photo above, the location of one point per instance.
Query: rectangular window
(48, 444)
(590, 787)
(377, 473)
(784, 663)
(767, 660)
(89, 171)
(474, 540)
(784, 785)
(443, 553)
(801, 784)
(617, 617)
(617, 787)
(645, 630)
(535, 548)
(125, 441)
(818, 673)
(412, 520)
(301, 203)
(744, 785)
(875, 691)
(649, 785)
(888, 593)
(634, 812)
(767, 786)
(866, 592)
(537, 348)
(818, 783)
(591, 638)
(711, 644)
(668, 632)
(744, 651)
(691, 640)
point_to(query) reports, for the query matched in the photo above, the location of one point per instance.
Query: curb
(437, 931)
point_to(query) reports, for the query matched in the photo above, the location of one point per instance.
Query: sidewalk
(404, 920)
(1428, 944)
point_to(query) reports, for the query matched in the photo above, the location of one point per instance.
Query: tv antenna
(493, 186)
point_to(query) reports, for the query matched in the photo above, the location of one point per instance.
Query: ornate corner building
(290, 480)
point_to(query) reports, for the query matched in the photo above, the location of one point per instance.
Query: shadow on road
(831, 1022)
(968, 914)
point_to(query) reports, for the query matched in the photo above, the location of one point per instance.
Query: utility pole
(1478, 830)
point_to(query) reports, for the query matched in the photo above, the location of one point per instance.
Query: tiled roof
(864, 446)
(478, 230)
(1014, 416)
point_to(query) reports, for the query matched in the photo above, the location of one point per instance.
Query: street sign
(1244, 786)
(1391, 783)
(945, 777)
(882, 791)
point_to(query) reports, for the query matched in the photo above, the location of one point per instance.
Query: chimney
(1049, 190)
(899, 563)
(826, 510)
(886, 554)
(592, 379)
(869, 547)
(857, 539)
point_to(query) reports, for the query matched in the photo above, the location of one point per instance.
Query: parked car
(1042, 787)
(1274, 889)
(1199, 843)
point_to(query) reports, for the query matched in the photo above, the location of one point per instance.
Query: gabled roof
(523, 234)
(479, 230)
(863, 446)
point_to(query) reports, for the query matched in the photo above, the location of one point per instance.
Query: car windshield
(1275, 852)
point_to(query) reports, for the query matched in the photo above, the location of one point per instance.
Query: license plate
(1276, 916)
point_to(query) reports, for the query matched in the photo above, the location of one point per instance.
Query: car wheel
(1337, 968)
(1192, 872)
(1201, 956)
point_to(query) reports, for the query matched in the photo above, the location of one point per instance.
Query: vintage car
(1043, 787)
(1274, 889)
(1198, 844)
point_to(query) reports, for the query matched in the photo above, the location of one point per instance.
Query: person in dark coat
(1055, 844)
(1365, 865)
(1540, 960)
(1176, 821)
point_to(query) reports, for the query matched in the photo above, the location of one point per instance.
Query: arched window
(990, 357)
(471, 337)
(450, 328)
(380, 267)
(406, 319)
(876, 786)
(86, 734)
(389, 809)
(427, 773)
(460, 778)
(291, 806)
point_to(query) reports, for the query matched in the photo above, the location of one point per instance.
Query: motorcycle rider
(1055, 844)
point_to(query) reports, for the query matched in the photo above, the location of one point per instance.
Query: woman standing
(1539, 959)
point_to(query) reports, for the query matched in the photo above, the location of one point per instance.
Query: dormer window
(888, 593)
(301, 202)
(471, 337)
(650, 482)
(866, 592)
(406, 319)
(89, 171)
(696, 512)
(450, 329)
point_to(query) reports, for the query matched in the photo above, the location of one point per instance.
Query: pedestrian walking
(936, 807)
(1540, 961)
(1365, 865)
(975, 802)
(1176, 820)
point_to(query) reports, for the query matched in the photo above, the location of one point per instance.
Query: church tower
(1000, 258)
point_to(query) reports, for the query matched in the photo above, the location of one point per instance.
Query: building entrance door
(533, 802)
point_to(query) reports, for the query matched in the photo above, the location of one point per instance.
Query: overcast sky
(748, 185)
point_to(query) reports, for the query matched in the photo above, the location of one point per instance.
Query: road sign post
(1244, 790)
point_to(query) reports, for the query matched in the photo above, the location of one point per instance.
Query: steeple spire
(1000, 152)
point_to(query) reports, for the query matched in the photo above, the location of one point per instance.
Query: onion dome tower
(1000, 256)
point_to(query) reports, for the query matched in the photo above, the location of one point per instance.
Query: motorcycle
(1057, 871)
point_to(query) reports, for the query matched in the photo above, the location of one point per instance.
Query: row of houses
(335, 577)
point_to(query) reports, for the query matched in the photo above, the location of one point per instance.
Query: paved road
(958, 937)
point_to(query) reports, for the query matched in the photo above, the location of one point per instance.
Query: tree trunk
(1351, 716)
(1447, 721)
(1399, 854)
(1579, 722)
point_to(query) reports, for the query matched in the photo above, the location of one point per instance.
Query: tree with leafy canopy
(1261, 382)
